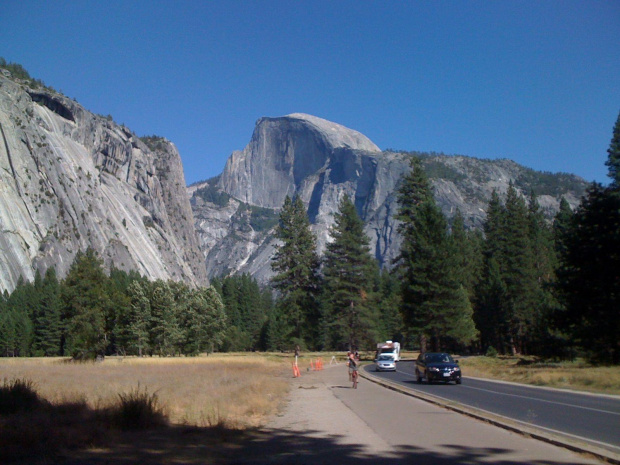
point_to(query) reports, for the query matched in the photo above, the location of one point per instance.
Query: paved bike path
(326, 421)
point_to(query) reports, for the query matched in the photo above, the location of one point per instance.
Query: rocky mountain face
(321, 161)
(70, 179)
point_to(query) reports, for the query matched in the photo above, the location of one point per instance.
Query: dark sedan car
(437, 366)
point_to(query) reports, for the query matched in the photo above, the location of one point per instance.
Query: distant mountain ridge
(321, 161)
(70, 179)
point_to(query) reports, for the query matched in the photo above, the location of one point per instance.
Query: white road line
(541, 400)
(463, 386)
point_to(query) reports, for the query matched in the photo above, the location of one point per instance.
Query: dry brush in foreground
(51, 406)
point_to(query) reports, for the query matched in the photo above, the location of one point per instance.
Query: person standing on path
(353, 366)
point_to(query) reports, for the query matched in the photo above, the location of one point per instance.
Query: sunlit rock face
(70, 179)
(321, 161)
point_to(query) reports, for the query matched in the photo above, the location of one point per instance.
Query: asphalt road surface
(326, 421)
(591, 418)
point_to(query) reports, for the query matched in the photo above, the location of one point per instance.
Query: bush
(18, 395)
(138, 410)
(491, 352)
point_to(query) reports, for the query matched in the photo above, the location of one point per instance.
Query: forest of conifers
(522, 285)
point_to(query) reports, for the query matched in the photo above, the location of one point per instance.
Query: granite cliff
(321, 161)
(70, 179)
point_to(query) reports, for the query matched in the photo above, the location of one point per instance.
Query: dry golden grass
(235, 391)
(565, 375)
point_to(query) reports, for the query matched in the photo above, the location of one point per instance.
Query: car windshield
(439, 358)
(385, 357)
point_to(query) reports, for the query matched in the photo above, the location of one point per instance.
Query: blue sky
(534, 81)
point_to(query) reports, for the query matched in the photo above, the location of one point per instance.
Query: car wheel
(418, 376)
(458, 381)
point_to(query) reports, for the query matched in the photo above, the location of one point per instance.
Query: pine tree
(435, 305)
(589, 275)
(391, 326)
(613, 159)
(23, 305)
(349, 282)
(277, 330)
(296, 266)
(48, 330)
(211, 319)
(518, 272)
(8, 335)
(136, 323)
(468, 246)
(253, 314)
(85, 303)
(165, 331)
(561, 225)
(510, 311)
(490, 312)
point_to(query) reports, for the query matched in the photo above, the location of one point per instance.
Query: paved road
(327, 421)
(589, 417)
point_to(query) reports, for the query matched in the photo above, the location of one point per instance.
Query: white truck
(389, 348)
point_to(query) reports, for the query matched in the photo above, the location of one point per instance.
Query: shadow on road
(185, 445)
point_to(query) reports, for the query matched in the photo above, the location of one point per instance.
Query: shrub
(18, 395)
(491, 352)
(138, 410)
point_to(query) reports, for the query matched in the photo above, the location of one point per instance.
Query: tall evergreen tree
(613, 159)
(85, 303)
(246, 311)
(23, 304)
(134, 331)
(544, 339)
(202, 319)
(509, 300)
(391, 326)
(518, 272)
(561, 224)
(589, 274)
(435, 304)
(119, 305)
(350, 273)
(165, 331)
(48, 330)
(490, 311)
(296, 266)
(253, 312)
(468, 246)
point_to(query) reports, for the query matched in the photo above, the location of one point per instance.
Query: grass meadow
(51, 407)
(238, 391)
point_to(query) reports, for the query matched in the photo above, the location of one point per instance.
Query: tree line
(522, 285)
(90, 314)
